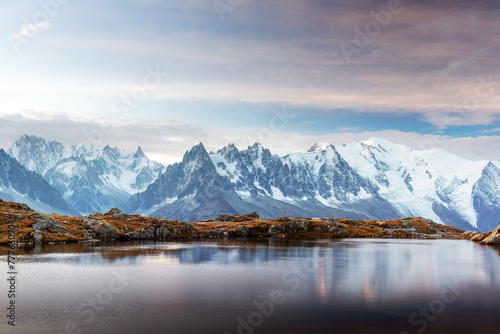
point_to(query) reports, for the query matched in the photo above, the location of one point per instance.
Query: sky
(167, 74)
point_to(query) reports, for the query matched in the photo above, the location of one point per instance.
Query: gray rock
(162, 232)
(253, 215)
(123, 216)
(143, 233)
(283, 219)
(303, 225)
(37, 236)
(96, 214)
(88, 234)
(25, 207)
(114, 211)
(225, 218)
(47, 224)
(187, 225)
(106, 232)
(246, 232)
(275, 229)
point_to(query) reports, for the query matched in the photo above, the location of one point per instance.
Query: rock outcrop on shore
(490, 238)
(34, 227)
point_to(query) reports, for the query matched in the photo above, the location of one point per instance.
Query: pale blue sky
(427, 71)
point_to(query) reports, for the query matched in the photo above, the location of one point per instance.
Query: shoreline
(37, 228)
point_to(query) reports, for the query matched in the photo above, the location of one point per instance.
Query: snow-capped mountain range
(89, 179)
(17, 184)
(374, 179)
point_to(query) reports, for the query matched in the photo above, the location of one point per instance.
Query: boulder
(113, 211)
(96, 214)
(143, 233)
(225, 218)
(123, 216)
(47, 224)
(478, 236)
(162, 232)
(106, 232)
(253, 215)
(246, 231)
(37, 236)
(493, 238)
(468, 234)
(275, 229)
(25, 207)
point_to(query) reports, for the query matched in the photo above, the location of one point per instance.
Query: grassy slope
(121, 226)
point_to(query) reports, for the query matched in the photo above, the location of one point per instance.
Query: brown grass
(74, 227)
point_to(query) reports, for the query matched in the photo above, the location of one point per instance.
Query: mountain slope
(89, 179)
(20, 185)
(374, 179)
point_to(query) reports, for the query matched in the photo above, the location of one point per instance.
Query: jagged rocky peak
(89, 178)
(83, 151)
(319, 146)
(112, 152)
(196, 153)
(35, 153)
(139, 153)
(17, 184)
(258, 149)
(229, 152)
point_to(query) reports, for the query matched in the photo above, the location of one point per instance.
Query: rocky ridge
(32, 227)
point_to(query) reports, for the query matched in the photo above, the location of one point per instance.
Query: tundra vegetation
(34, 227)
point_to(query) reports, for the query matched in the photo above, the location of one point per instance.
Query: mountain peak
(319, 146)
(257, 146)
(35, 153)
(374, 141)
(139, 152)
(195, 151)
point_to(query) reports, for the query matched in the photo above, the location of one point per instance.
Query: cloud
(429, 61)
(307, 123)
(492, 130)
(167, 141)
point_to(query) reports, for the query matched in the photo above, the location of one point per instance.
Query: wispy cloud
(491, 130)
(307, 123)
(429, 62)
(167, 141)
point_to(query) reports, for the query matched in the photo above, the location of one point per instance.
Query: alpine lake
(233, 286)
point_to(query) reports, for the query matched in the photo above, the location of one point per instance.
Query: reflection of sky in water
(175, 282)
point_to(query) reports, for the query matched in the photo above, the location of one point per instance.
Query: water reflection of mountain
(364, 268)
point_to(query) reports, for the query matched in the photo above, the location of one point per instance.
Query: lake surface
(263, 286)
